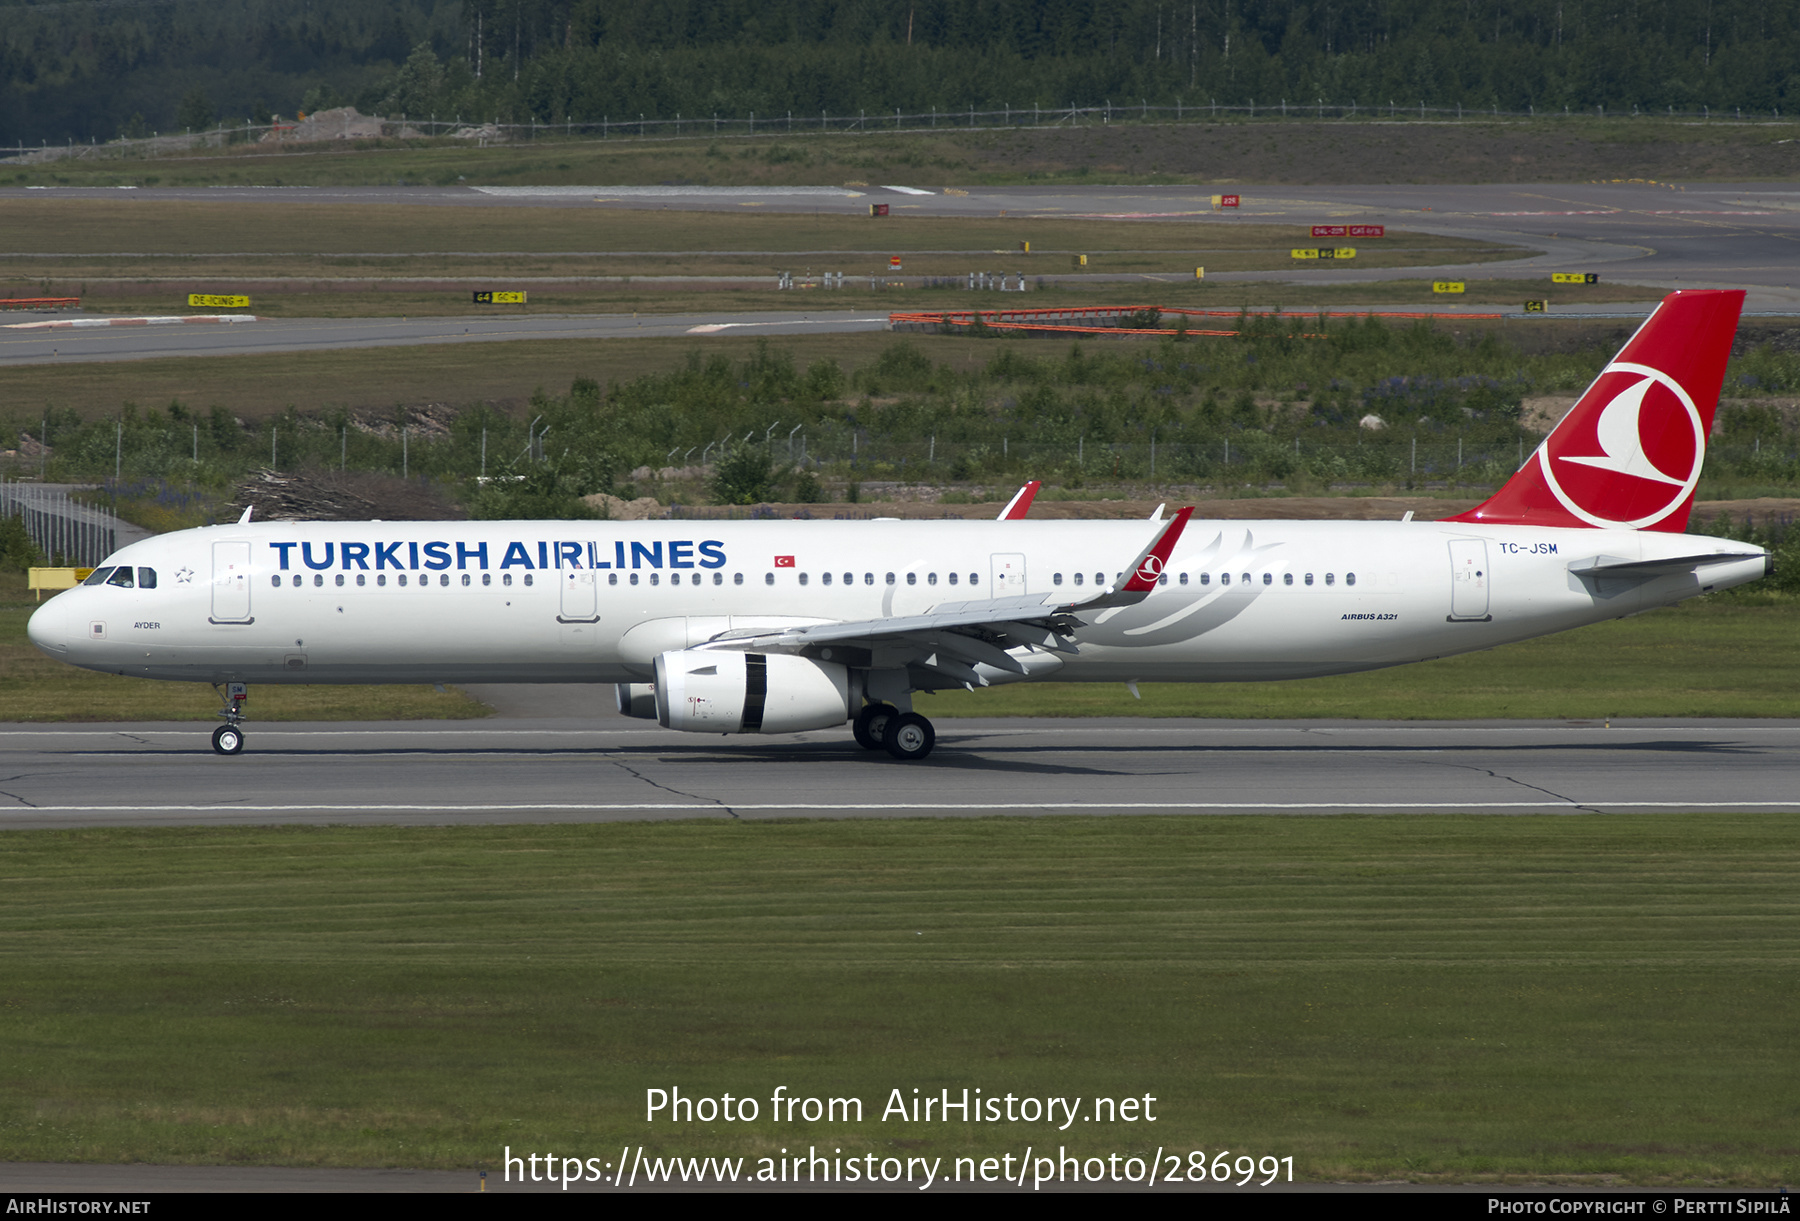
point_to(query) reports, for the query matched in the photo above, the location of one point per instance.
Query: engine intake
(703, 691)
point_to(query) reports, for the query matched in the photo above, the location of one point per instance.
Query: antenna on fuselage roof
(245, 519)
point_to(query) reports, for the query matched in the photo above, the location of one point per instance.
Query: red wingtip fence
(1120, 320)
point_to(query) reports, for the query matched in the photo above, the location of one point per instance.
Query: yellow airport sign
(499, 298)
(1199, 273)
(1300, 253)
(1448, 286)
(1340, 252)
(1536, 307)
(1078, 260)
(213, 301)
(1574, 277)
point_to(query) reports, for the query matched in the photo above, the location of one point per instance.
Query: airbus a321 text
(783, 627)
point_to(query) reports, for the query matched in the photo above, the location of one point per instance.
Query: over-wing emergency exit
(783, 627)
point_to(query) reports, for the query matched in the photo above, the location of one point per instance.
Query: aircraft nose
(48, 628)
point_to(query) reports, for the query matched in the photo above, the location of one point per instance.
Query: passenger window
(718, 578)
(1350, 578)
(612, 578)
(381, 578)
(803, 578)
(274, 580)
(1268, 578)
(768, 578)
(1224, 578)
(868, 578)
(444, 578)
(318, 580)
(1056, 579)
(401, 579)
(487, 578)
(99, 575)
(340, 578)
(1099, 578)
(122, 578)
(361, 579)
(890, 578)
(506, 578)
(912, 578)
(974, 578)
(1309, 578)
(849, 578)
(1246, 578)
(931, 578)
(465, 579)
(1184, 578)
(656, 578)
(737, 578)
(146, 578)
(824, 578)
(1287, 578)
(1329, 578)
(1079, 578)
(953, 578)
(297, 580)
(1206, 578)
(1163, 579)
(695, 579)
(528, 578)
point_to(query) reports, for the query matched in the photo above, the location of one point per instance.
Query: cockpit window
(146, 578)
(98, 576)
(121, 577)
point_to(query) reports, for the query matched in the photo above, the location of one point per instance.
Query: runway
(612, 769)
(1651, 234)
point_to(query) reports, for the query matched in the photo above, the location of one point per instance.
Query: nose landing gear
(228, 739)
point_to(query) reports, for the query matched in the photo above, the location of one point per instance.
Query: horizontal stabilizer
(1614, 567)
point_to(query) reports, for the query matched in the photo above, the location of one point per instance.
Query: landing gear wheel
(908, 737)
(228, 740)
(871, 723)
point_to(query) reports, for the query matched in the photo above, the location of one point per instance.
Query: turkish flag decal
(784, 561)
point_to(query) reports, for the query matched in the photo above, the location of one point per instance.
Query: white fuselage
(598, 601)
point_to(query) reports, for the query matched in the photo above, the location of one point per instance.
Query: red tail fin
(1628, 456)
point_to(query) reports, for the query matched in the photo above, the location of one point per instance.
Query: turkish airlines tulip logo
(1635, 461)
(1151, 568)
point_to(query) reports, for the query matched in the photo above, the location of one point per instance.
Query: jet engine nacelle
(637, 699)
(707, 691)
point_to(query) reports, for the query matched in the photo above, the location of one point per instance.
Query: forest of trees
(94, 69)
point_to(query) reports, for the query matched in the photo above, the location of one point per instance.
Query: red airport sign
(1228, 201)
(1349, 230)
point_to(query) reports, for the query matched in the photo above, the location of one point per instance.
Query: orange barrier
(1104, 319)
(39, 302)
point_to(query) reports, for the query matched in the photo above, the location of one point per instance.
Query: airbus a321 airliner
(783, 627)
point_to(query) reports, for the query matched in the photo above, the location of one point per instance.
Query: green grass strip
(1438, 998)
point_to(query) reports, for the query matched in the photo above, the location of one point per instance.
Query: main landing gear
(228, 739)
(904, 735)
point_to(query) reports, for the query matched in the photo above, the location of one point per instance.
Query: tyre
(870, 724)
(228, 739)
(909, 737)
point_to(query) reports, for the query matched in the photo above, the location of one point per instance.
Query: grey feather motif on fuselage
(1174, 612)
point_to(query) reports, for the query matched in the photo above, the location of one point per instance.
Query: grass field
(1438, 999)
(1220, 153)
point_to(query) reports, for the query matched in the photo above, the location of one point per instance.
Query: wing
(954, 641)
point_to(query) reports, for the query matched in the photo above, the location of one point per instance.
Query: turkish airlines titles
(438, 555)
